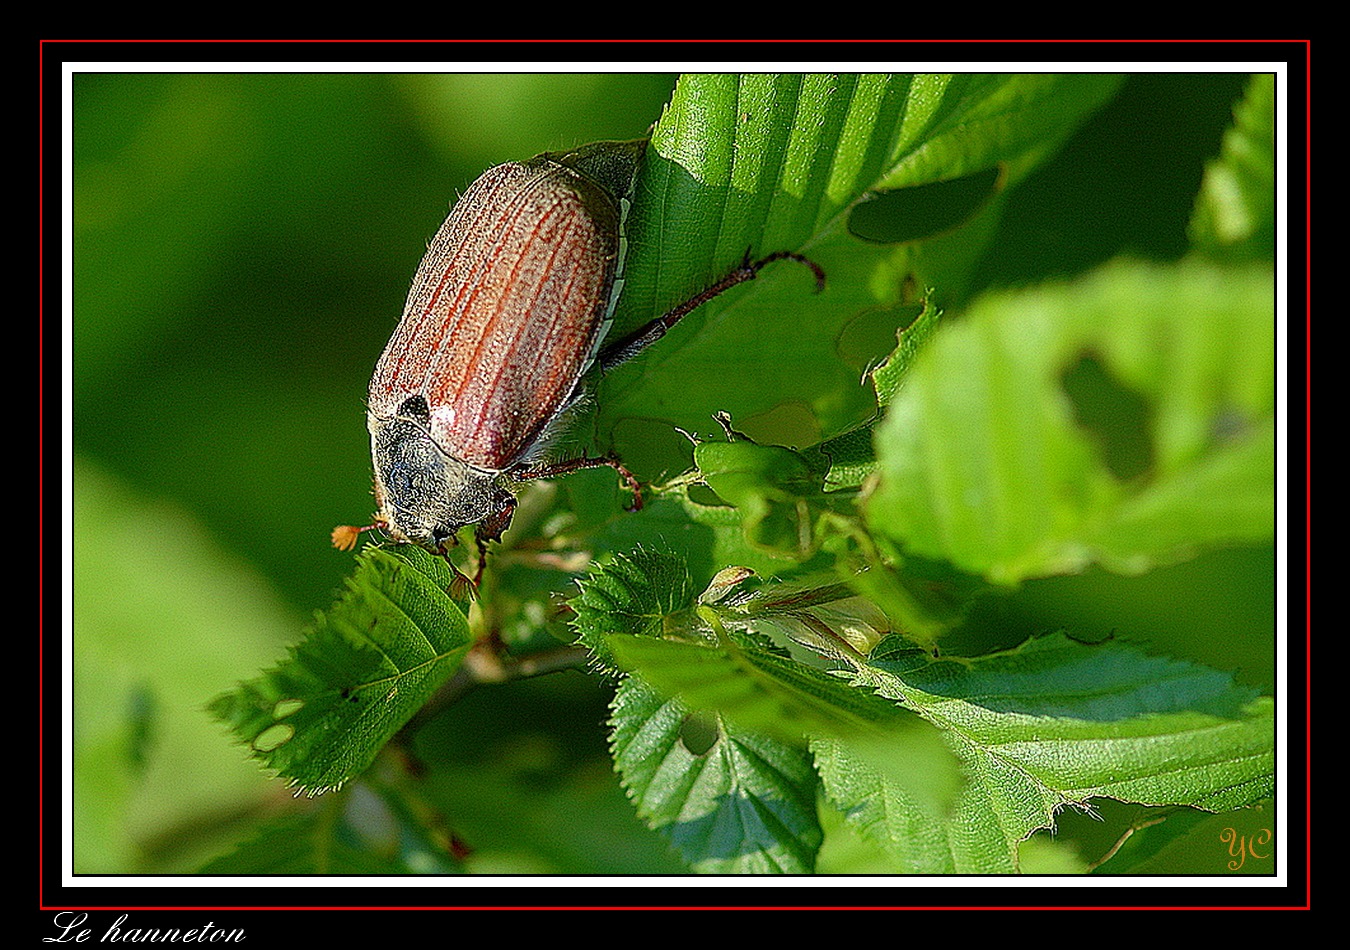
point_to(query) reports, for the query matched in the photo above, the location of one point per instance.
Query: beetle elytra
(498, 338)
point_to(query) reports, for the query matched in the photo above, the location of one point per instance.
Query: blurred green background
(243, 245)
(243, 248)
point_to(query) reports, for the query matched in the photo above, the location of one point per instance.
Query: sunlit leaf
(371, 661)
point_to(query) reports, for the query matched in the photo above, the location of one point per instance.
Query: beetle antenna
(344, 535)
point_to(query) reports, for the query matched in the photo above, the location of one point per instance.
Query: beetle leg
(491, 528)
(550, 469)
(495, 524)
(482, 559)
(460, 583)
(621, 351)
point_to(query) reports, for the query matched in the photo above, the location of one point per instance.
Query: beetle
(503, 324)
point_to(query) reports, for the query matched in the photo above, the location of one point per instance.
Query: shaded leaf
(357, 832)
(750, 689)
(1050, 725)
(728, 800)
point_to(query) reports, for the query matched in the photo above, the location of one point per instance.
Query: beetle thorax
(424, 495)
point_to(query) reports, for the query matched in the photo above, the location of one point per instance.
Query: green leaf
(753, 693)
(637, 595)
(1126, 419)
(921, 599)
(1235, 212)
(757, 689)
(641, 613)
(729, 801)
(703, 530)
(319, 718)
(1050, 725)
(889, 376)
(772, 162)
(779, 498)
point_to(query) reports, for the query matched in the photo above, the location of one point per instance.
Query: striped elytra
(497, 340)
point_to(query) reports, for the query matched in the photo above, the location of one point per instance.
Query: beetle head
(425, 495)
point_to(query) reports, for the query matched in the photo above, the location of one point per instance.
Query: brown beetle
(504, 319)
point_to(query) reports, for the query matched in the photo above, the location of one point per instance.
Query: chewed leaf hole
(287, 707)
(698, 734)
(1117, 417)
(922, 211)
(274, 737)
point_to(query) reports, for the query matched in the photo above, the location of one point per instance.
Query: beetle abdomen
(503, 311)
